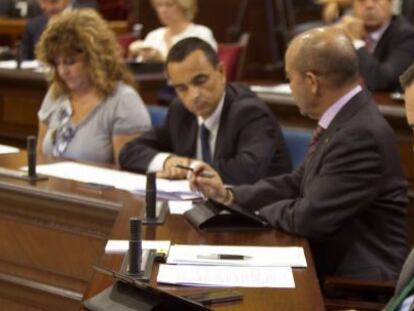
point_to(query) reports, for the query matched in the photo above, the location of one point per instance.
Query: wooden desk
(22, 93)
(46, 263)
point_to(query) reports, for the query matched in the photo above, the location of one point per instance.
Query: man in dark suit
(35, 26)
(244, 141)
(403, 286)
(384, 43)
(349, 197)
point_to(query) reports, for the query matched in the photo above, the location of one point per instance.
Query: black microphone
(135, 246)
(31, 156)
(18, 56)
(151, 195)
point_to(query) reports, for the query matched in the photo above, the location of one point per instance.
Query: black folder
(212, 216)
(128, 294)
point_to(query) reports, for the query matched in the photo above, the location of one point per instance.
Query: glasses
(63, 133)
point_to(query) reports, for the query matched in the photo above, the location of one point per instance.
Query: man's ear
(221, 70)
(313, 82)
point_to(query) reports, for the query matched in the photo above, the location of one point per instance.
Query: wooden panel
(49, 242)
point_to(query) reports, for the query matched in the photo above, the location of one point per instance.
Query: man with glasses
(222, 124)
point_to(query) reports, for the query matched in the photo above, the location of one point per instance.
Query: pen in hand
(202, 174)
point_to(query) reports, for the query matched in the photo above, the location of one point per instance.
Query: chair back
(233, 56)
(124, 41)
(297, 141)
(157, 114)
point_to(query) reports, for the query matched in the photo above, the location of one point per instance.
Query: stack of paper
(169, 189)
(237, 256)
(122, 246)
(4, 149)
(281, 277)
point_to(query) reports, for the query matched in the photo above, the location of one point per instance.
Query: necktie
(369, 43)
(205, 144)
(315, 138)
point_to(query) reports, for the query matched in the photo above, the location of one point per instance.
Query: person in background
(177, 17)
(36, 25)
(221, 123)
(91, 108)
(349, 197)
(384, 43)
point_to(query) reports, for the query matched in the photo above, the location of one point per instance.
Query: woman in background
(91, 109)
(177, 17)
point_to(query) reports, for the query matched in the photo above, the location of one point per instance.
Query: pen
(202, 174)
(223, 256)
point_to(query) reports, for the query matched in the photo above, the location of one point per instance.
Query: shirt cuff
(358, 44)
(157, 162)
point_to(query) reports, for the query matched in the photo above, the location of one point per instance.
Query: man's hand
(211, 187)
(353, 26)
(171, 171)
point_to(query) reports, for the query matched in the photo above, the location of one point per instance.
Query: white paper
(283, 89)
(255, 255)
(121, 246)
(179, 207)
(12, 64)
(280, 277)
(4, 149)
(119, 179)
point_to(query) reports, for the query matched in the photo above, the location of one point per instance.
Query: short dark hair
(185, 47)
(407, 78)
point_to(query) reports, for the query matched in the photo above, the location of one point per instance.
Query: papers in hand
(237, 256)
(282, 89)
(281, 277)
(136, 183)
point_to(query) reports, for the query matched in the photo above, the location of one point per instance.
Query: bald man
(384, 43)
(348, 198)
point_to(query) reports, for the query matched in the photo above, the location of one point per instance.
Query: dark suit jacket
(393, 54)
(34, 29)
(249, 143)
(348, 198)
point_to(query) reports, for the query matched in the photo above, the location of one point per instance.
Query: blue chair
(157, 114)
(297, 141)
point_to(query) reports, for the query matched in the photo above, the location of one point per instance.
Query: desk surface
(306, 295)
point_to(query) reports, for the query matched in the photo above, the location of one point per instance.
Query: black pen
(223, 256)
(202, 174)
(92, 185)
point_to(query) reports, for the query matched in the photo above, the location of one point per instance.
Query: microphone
(18, 56)
(151, 195)
(135, 246)
(31, 156)
(155, 214)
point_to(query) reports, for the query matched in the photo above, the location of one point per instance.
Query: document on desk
(136, 183)
(259, 256)
(121, 246)
(179, 207)
(27, 64)
(4, 149)
(282, 89)
(280, 277)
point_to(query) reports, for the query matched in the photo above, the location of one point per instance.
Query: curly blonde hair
(83, 32)
(189, 7)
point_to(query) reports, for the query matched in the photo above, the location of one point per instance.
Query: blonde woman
(91, 108)
(177, 17)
